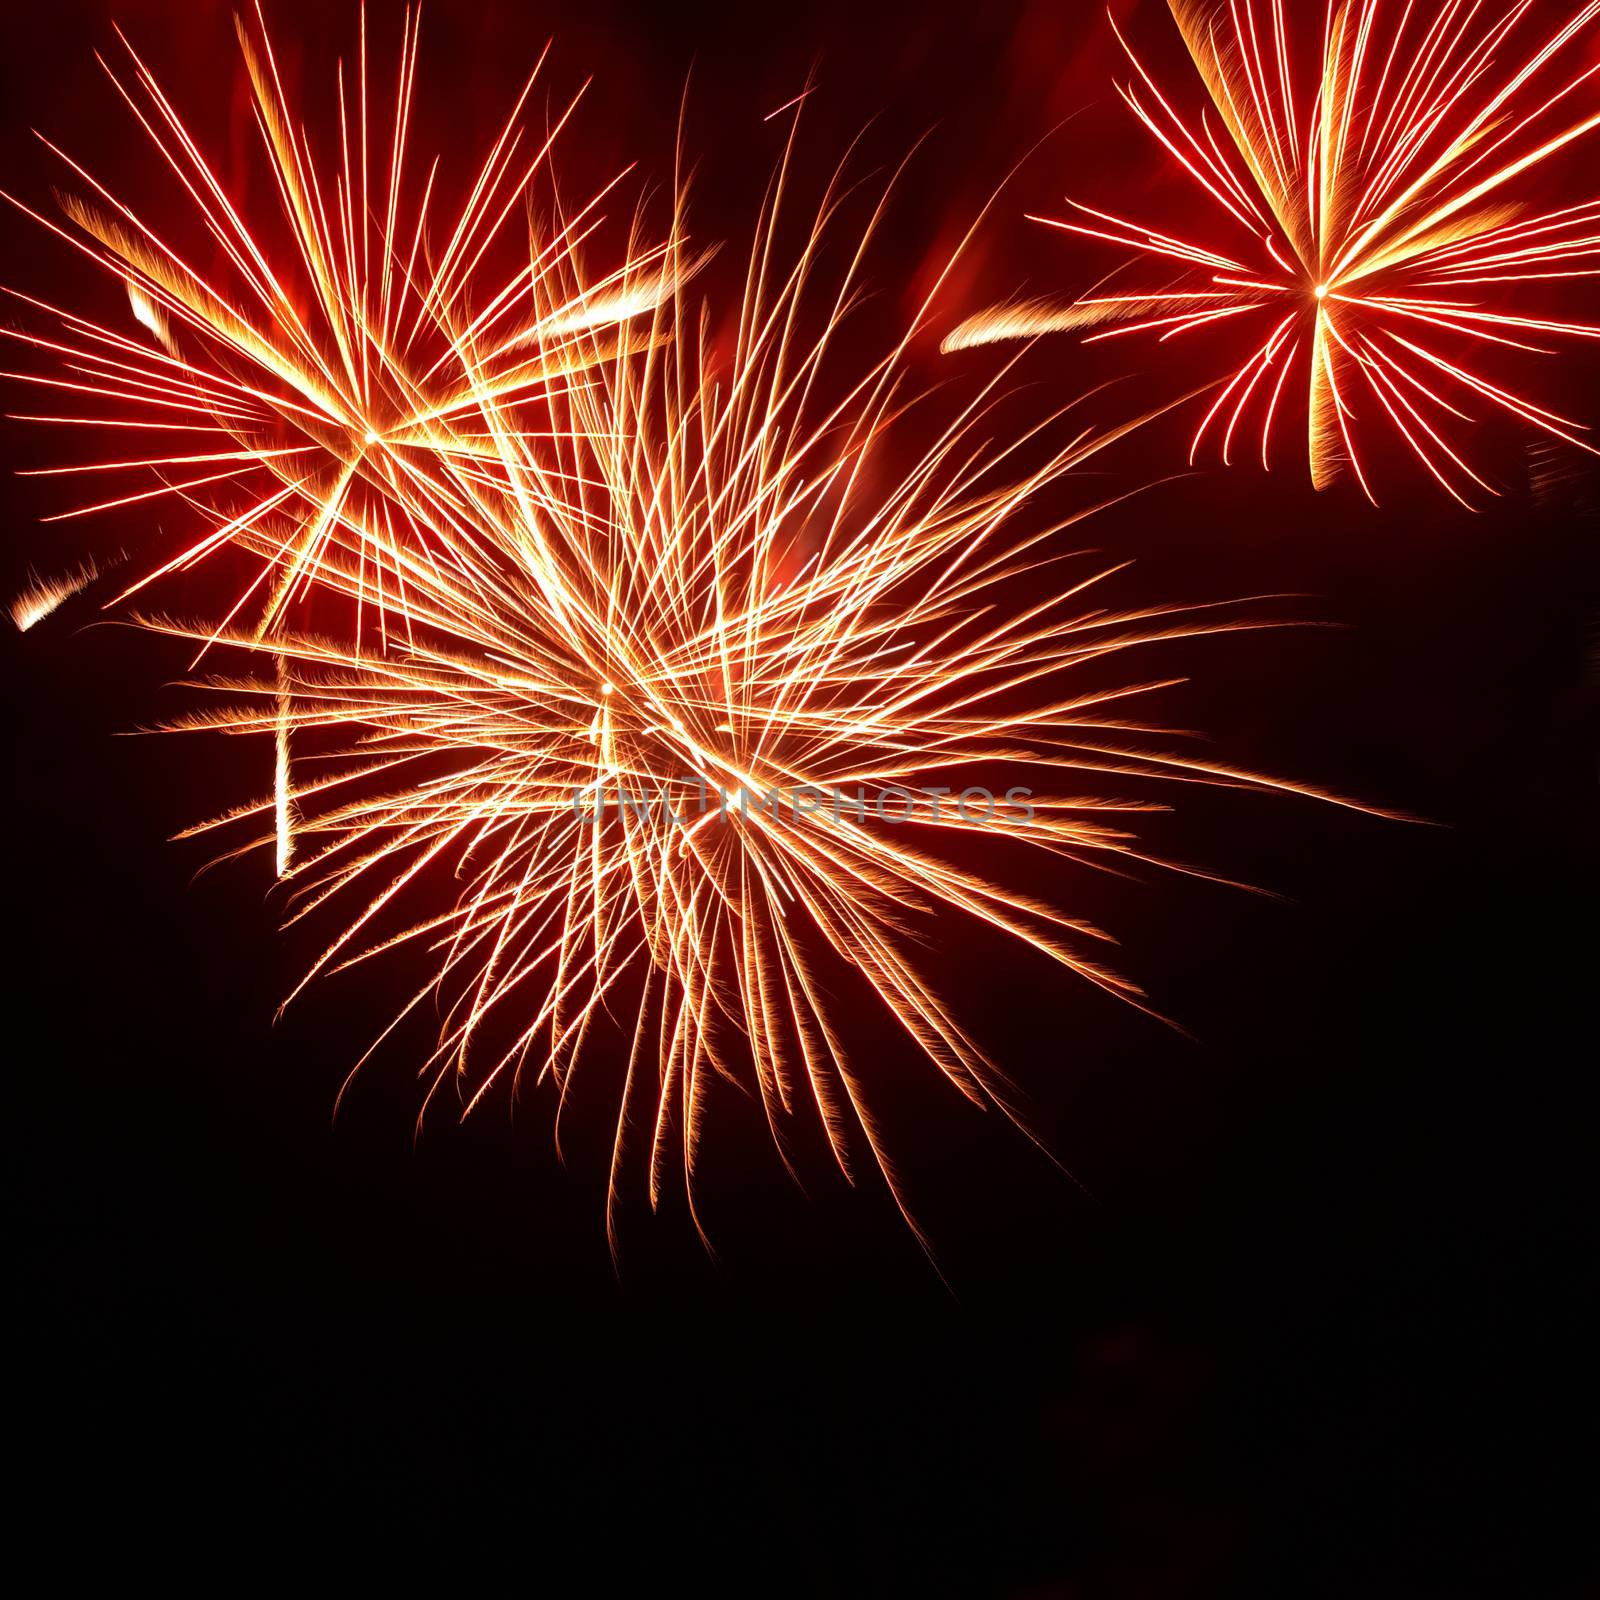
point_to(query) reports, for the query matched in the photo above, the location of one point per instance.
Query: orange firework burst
(693, 734)
(1369, 223)
(337, 359)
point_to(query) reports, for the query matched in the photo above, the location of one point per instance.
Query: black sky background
(1316, 1327)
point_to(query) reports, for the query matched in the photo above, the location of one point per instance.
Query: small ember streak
(146, 311)
(43, 595)
(1023, 319)
(636, 298)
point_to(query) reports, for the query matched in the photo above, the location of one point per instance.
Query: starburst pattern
(337, 355)
(636, 672)
(676, 736)
(1371, 220)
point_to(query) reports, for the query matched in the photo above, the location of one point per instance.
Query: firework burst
(676, 739)
(1369, 222)
(328, 364)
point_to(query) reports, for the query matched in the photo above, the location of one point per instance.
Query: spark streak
(44, 595)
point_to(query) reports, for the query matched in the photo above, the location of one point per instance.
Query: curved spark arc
(1358, 220)
(715, 579)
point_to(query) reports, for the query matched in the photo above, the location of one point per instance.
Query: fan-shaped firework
(1369, 220)
(335, 355)
(690, 729)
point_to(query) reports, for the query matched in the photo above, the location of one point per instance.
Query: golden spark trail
(44, 595)
(282, 778)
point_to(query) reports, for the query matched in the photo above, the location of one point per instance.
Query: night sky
(1309, 1321)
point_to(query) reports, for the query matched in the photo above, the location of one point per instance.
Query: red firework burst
(1369, 223)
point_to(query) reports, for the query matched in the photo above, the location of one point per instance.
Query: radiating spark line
(789, 105)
